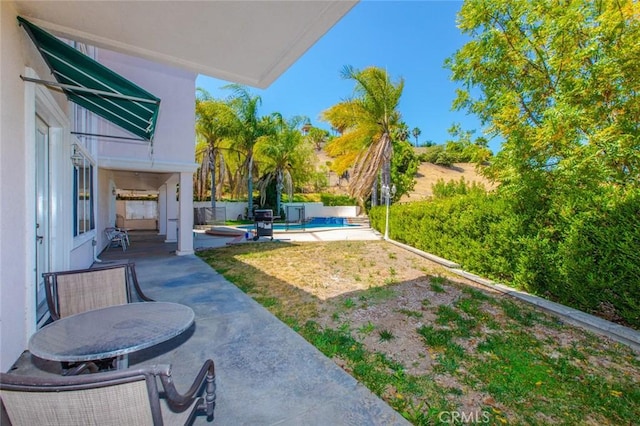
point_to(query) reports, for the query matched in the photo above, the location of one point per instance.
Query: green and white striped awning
(94, 86)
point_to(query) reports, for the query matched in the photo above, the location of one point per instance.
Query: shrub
(589, 259)
(431, 154)
(442, 189)
(446, 159)
(600, 261)
(337, 200)
(474, 230)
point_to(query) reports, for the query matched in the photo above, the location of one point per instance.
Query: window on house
(83, 215)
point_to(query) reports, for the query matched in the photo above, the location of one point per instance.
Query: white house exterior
(160, 46)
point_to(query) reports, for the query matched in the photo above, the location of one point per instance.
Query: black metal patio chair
(76, 291)
(121, 397)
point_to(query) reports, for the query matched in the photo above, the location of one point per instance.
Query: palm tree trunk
(212, 159)
(221, 175)
(250, 187)
(279, 186)
(386, 165)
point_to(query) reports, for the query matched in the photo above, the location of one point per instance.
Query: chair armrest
(131, 266)
(183, 401)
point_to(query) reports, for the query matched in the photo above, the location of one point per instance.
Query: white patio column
(162, 210)
(172, 210)
(185, 215)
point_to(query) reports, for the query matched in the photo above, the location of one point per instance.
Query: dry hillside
(428, 174)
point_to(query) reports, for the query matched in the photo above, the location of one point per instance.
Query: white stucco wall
(234, 209)
(175, 129)
(17, 185)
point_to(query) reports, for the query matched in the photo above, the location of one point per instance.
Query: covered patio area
(266, 373)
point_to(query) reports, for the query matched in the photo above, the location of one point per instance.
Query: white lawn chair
(116, 237)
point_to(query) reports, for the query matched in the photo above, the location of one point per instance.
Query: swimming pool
(313, 223)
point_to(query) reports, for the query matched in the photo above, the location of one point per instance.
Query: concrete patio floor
(266, 374)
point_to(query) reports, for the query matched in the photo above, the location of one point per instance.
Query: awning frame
(88, 90)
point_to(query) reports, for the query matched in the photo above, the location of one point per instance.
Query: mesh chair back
(122, 404)
(94, 289)
(122, 397)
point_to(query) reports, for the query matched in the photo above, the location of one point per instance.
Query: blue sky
(410, 39)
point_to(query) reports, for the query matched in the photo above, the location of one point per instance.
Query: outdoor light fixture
(388, 193)
(76, 156)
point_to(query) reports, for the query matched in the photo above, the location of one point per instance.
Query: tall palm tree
(365, 123)
(280, 153)
(416, 132)
(249, 127)
(214, 124)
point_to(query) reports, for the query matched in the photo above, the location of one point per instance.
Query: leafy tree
(365, 123)
(214, 124)
(317, 136)
(465, 150)
(281, 152)
(560, 82)
(404, 166)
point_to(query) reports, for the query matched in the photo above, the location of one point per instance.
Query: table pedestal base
(122, 362)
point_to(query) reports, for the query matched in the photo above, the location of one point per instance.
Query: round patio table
(115, 331)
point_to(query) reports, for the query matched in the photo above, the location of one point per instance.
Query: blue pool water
(314, 223)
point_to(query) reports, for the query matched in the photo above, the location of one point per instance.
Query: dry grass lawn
(430, 342)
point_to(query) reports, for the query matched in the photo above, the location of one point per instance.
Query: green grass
(524, 315)
(386, 335)
(476, 294)
(367, 328)
(377, 372)
(377, 294)
(516, 368)
(458, 323)
(437, 284)
(410, 313)
(267, 302)
(436, 337)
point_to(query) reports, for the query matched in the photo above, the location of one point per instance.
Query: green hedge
(600, 267)
(337, 200)
(589, 260)
(470, 230)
